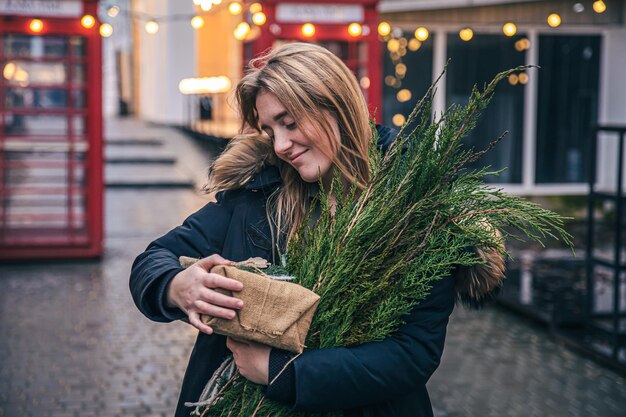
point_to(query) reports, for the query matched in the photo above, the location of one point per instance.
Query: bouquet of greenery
(374, 253)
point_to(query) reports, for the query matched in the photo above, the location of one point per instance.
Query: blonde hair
(311, 83)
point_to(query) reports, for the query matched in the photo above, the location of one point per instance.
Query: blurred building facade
(548, 112)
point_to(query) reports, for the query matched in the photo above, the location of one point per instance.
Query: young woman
(304, 118)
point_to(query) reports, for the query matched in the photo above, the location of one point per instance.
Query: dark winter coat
(386, 378)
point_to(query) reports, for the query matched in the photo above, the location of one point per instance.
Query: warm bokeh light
(398, 119)
(88, 21)
(390, 80)
(421, 34)
(35, 26)
(241, 31)
(404, 95)
(513, 79)
(509, 29)
(152, 27)
(197, 22)
(364, 82)
(400, 69)
(393, 45)
(599, 6)
(113, 11)
(255, 7)
(106, 30)
(259, 18)
(235, 8)
(523, 78)
(414, 44)
(206, 5)
(216, 2)
(522, 45)
(205, 85)
(355, 29)
(554, 20)
(466, 34)
(384, 28)
(308, 29)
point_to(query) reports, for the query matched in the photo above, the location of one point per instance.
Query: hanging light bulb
(384, 28)
(35, 26)
(259, 18)
(393, 45)
(421, 34)
(599, 6)
(88, 21)
(509, 29)
(197, 22)
(466, 34)
(414, 44)
(355, 29)
(308, 29)
(554, 20)
(106, 30)
(113, 11)
(151, 27)
(206, 5)
(241, 31)
(235, 8)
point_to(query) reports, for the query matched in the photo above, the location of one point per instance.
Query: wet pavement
(73, 344)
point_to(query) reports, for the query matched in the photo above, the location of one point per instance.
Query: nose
(282, 142)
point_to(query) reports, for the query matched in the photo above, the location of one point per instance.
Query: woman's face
(290, 141)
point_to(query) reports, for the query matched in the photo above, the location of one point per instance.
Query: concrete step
(146, 176)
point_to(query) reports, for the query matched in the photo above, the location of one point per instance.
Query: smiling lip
(292, 160)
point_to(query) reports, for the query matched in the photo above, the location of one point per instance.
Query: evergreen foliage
(374, 254)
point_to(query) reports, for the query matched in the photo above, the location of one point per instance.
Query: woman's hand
(252, 359)
(194, 291)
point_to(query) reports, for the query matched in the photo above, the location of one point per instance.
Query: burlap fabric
(275, 313)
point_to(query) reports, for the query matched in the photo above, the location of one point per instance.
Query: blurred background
(111, 111)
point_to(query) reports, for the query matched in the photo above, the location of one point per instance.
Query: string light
(393, 45)
(197, 22)
(414, 45)
(398, 119)
(113, 11)
(404, 95)
(308, 30)
(421, 34)
(355, 29)
(466, 34)
(235, 8)
(88, 21)
(384, 28)
(255, 8)
(522, 45)
(106, 30)
(35, 26)
(241, 31)
(523, 78)
(599, 6)
(206, 5)
(400, 70)
(513, 79)
(151, 27)
(554, 20)
(364, 82)
(509, 29)
(259, 18)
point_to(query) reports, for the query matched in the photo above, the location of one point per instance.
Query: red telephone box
(330, 22)
(51, 185)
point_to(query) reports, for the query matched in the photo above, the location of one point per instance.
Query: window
(477, 62)
(567, 106)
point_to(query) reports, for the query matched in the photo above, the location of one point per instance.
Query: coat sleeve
(342, 378)
(202, 234)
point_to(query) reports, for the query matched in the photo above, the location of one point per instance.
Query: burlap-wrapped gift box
(275, 313)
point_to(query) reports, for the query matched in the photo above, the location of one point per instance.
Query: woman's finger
(194, 320)
(219, 299)
(203, 307)
(219, 281)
